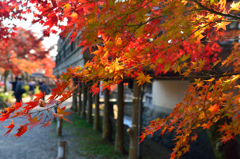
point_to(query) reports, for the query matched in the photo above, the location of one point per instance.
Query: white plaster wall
(167, 93)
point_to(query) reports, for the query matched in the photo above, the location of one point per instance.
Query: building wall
(70, 55)
(73, 59)
(167, 93)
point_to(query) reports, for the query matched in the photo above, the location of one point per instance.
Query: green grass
(5, 96)
(91, 142)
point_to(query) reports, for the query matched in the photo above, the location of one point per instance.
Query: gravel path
(38, 143)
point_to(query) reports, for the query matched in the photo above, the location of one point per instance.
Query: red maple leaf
(21, 131)
(46, 124)
(142, 137)
(39, 96)
(30, 106)
(226, 138)
(57, 90)
(10, 127)
(18, 105)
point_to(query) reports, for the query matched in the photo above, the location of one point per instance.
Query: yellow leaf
(222, 25)
(142, 78)
(210, 80)
(235, 6)
(185, 57)
(202, 115)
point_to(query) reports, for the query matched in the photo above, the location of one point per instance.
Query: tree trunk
(79, 97)
(96, 125)
(5, 80)
(119, 141)
(133, 131)
(83, 112)
(222, 150)
(89, 112)
(74, 102)
(106, 116)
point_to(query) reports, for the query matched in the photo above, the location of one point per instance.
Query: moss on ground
(91, 143)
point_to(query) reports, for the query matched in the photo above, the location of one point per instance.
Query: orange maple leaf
(226, 138)
(60, 113)
(214, 108)
(34, 122)
(95, 89)
(207, 125)
(10, 127)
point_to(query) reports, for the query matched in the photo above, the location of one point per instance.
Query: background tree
(24, 52)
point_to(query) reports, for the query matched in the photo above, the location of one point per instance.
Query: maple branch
(187, 77)
(214, 11)
(60, 102)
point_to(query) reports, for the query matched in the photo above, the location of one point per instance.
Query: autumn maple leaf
(142, 137)
(46, 124)
(18, 105)
(142, 78)
(206, 126)
(235, 6)
(39, 96)
(10, 127)
(60, 113)
(226, 138)
(214, 108)
(34, 122)
(21, 131)
(222, 25)
(94, 88)
(58, 90)
(30, 106)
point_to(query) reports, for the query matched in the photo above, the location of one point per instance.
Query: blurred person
(44, 89)
(14, 84)
(31, 89)
(19, 90)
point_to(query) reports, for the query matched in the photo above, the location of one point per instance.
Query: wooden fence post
(119, 140)
(133, 131)
(61, 149)
(83, 112)
(80, 97)
(89, 111)
(106, 116)
(59, 126)
(96, 125)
